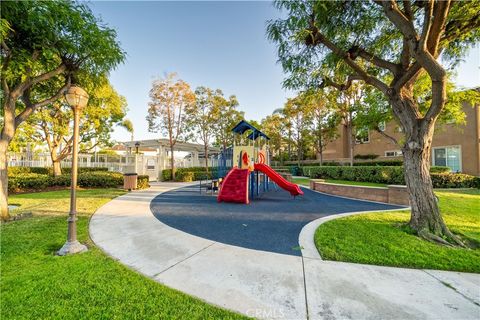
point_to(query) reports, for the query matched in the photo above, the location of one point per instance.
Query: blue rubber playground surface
(272, 222)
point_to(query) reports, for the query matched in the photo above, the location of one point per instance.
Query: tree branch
(327, 82)
(440, 13)
(367, 56)
(386, 135)
(320, 38)
(31, 107)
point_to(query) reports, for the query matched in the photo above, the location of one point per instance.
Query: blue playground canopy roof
(243, 126)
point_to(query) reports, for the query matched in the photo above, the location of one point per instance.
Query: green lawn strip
(36, 284)
(381, 238)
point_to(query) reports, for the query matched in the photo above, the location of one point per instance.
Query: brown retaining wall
(391, 194)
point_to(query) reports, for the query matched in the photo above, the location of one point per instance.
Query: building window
(362, 136)
(150, 164)
(448, 157)
(395, 153)
(381, 126)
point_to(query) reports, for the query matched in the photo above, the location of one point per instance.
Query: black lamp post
(137, 146)
(77, 98)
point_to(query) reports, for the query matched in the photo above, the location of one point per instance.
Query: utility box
(130, 181)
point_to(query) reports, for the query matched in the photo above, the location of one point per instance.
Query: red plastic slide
(278, 179)
(234, 187)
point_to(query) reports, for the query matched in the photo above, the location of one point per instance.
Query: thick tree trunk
(6, 135)
(425, 218)
(172, 162)
(3, 180)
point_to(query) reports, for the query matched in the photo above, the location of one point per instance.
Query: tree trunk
(206, 157)
(425, 218)
(4, 180)
(172, 162)
(57, 169)
(351, 141)
(6, 135)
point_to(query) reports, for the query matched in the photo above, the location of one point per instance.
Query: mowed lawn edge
(383, 239)
(36, 284)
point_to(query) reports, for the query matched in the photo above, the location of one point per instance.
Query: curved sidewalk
(271, 285)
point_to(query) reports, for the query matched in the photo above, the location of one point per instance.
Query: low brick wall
(391, 194)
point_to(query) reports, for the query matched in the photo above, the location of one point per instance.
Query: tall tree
(228, 117)
(202, 116)
(45, 44)
(296, 110)
(378, 40)
(324, 119)
(273, 126)
(169, 97)
(106, 108)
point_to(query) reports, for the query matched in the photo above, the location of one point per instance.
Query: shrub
(184, 176)
(439, 169)
(100, 179)
(199, 173)
(84, 169)
(454, 180)
(390, 175)
(14, 171)
(26, 181)
(365, 156)
(143, 182)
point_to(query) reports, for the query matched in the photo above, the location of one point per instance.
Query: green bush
(184, 176)
(390, 175)
(100, 179)
(454, 180)
(199, 173)
(28, 181)
(143, 182)
(84, 169)
(365, 156)
(14, 171)
(439, 169)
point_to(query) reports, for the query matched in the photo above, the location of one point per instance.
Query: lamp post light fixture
(77, 98)
(137, 146)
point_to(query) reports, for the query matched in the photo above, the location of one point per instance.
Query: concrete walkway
(271, 285)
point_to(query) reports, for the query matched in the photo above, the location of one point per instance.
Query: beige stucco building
(455, 146)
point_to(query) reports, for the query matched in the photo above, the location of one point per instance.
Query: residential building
(456, 146)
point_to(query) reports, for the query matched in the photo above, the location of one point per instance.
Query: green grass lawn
(306, 182)
(382, 238)
(36, 284)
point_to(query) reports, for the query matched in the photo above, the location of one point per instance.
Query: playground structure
(249, 172)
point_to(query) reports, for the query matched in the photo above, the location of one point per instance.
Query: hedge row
(389, 175)
(188, 174)
(13, 171)
(35, 181)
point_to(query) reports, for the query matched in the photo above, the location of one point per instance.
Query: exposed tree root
(454, 240)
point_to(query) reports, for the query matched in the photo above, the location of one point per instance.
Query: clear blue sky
(215, 44)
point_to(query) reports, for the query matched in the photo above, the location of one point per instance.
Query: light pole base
(71, 248)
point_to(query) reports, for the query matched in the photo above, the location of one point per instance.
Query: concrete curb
(306, 238)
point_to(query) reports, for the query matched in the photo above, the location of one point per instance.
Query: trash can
(130, 181)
